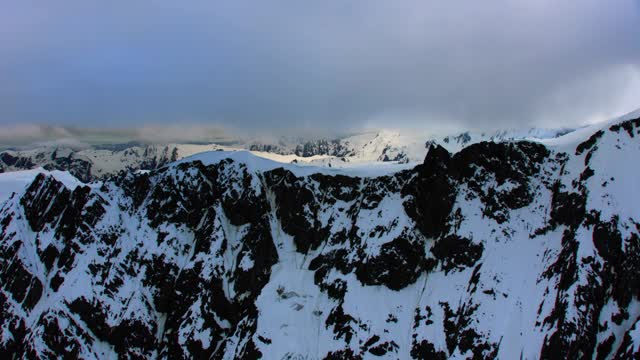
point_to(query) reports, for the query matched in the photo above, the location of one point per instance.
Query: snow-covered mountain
(501, 250)
(97, 163)
(401, 146)
(374, 147)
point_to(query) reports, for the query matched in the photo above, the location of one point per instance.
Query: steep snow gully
(513, 250)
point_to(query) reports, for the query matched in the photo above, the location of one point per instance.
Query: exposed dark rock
(567, 208)
(93, 316)
(432, 193)
(426, 350)
(136, 186)
(589, 143)
(460, 334)
(629, 126)
(61, 341)
(454, 252)
(342, 324)
(297, 210)
(49, 255)
(399, 264)
(8, 159)
(44, 201)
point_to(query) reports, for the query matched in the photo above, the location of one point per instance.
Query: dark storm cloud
(293, 64)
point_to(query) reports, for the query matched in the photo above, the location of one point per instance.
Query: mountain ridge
(385, 146)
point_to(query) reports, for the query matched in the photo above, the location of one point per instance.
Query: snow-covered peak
(16, 182)
(573, 138)
(256, 164)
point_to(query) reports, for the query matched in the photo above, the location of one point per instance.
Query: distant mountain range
(100, 162)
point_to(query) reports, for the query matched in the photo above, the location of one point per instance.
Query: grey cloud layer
(30, 136)
(290, 64)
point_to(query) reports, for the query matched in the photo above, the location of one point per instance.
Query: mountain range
(486, 248)
(101, 161)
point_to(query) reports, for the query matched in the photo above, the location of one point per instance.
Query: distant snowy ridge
(362, 149)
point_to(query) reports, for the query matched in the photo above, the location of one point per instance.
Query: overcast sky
(316, 64)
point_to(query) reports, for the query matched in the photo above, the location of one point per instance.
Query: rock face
(332, 147)
(502, 250)
(65, 160)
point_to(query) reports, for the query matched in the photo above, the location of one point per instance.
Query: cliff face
(502, 250)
